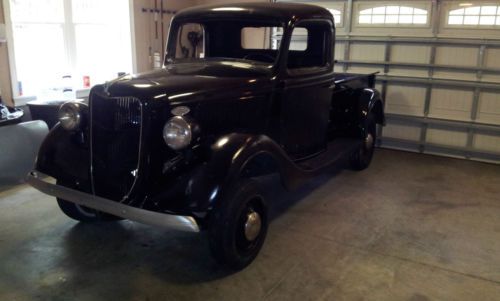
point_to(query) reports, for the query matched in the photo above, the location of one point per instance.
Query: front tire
(238, 226)
(78, 212)
(82, 213)
(362, 157)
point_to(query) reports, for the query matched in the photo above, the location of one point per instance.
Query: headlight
(177, 133)
(70, 116)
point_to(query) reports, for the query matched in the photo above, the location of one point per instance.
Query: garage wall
(148, 36)
(146, 41)
(148, 24)
(441, 83)
(203, 2)
(150, 29)
(5, 87)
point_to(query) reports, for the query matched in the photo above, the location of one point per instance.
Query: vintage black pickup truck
(246, 90)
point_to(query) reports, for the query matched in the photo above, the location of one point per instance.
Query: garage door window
(337, 15)
(488, 15)
(397, 15)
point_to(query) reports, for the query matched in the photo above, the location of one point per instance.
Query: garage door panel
(455, 75)
(489, 108)
(495, 78)
(492, 58)
(405, 100)
(410, 54)
(491, 78)
(367, 52)
(339, 50)
(446, 137)
(456, 56)
(401, 131)
(364, 69)
(413, 72)
(451, 104)
(444, 153)
(489, 143)
(298, 45)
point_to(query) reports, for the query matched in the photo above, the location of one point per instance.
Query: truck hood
(186, 80)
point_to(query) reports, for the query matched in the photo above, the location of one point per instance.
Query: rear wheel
(238, 226)
(362, 157)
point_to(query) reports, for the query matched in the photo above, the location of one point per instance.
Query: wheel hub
(369, 141)
(253, 224)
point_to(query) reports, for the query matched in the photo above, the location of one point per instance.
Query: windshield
(255, 43)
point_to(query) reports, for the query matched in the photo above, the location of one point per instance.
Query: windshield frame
(176, 24)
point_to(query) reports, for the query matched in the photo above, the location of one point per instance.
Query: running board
(336, 152)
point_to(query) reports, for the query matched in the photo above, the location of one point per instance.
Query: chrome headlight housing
(177, 133)
(70, 116)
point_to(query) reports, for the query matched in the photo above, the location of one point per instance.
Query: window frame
(340, 6)
(339, 24)
(478, 26)
(177, 38)
(419, 5)
(70, 50)
(299, 38)
(272, 30)
(310, 71)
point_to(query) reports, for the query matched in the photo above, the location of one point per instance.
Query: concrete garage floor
(412, 227)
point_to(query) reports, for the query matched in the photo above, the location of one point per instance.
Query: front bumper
(46, 185)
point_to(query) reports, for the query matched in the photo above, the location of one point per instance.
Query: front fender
(229, 156)
(64, 155)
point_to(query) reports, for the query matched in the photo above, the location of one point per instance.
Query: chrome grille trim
(141, 121)
(122, 115)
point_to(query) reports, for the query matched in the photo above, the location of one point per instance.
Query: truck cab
(299, 73)
(245, 90)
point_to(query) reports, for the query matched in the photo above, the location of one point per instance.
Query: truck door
(308, 89)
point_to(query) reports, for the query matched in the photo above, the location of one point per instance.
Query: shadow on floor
(171, 256)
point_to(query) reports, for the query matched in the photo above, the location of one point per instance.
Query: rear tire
(362, 157)
(238, 226)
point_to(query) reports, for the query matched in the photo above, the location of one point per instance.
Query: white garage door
(439, 64)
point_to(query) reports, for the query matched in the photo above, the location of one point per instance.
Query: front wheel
(362, 157)
(238, 226)
(82, 213)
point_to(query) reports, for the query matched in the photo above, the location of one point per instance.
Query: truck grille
(115, 127)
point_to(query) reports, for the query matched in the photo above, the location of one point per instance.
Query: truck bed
(355, 81)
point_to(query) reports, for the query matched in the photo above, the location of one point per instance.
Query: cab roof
(283, 12)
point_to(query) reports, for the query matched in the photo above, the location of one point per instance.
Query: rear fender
(370, 101)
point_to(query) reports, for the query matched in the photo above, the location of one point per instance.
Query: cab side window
(310, 47)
